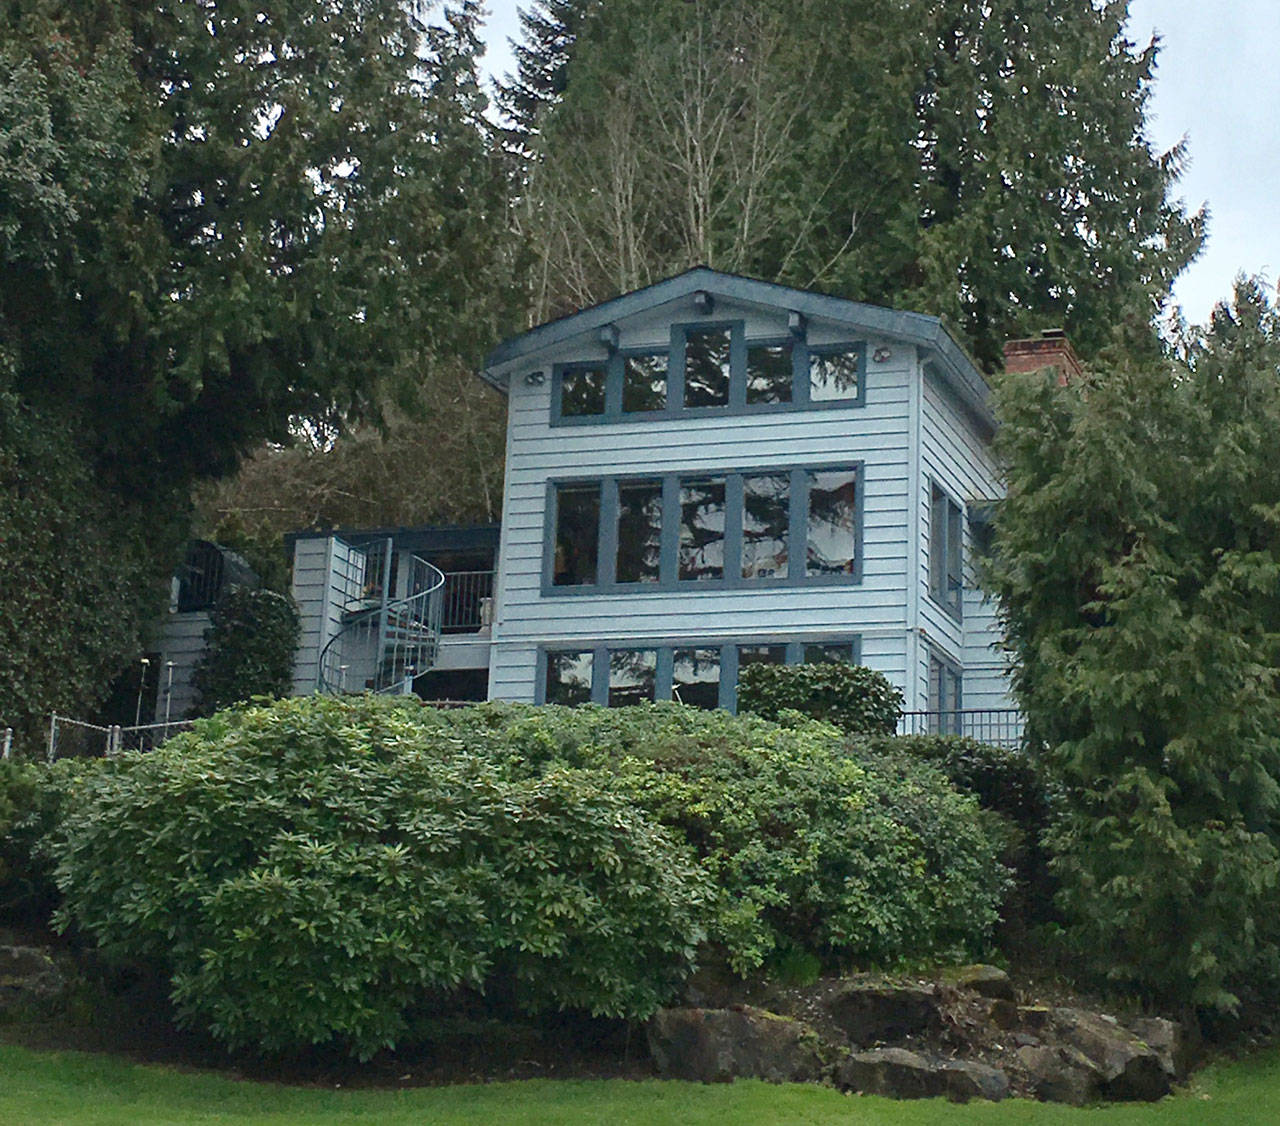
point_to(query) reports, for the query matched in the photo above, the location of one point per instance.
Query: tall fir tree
(982, 159)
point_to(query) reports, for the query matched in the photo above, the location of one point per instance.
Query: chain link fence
(74, 738)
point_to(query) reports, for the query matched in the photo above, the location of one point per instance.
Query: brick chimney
(1051, 349)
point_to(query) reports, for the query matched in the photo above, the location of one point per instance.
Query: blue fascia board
(915, 328)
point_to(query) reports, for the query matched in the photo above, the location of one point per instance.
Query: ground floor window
(701, 675)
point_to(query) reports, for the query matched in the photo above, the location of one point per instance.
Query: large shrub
(856, 699)
(316, 870)
(251, 643)
(857, 862)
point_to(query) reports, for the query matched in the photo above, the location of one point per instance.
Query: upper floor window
(735, 529)
(945, 698)
(710, 368)
(946, 550)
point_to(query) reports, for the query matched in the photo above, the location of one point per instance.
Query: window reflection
(828, 652)
(639, 531)
(577, 534)
(834, 375)
(706, 368)
(644, 383)
(769, 373)
(765, 525)
(702, 517)
(569, 677)
(761, 655)
(631, 676)
(695, 677)
(832, 523)
(582, 391)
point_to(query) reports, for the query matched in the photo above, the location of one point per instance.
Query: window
(946, 540)
(644, 383)
(695, 677)
(770, 373)
(832, 536)
(577, 534)
(945, 698)
(765, 525)
(715, 368)
(582, 390)
(569, 677)
(792, 526)
(632, 673)
(828, 652)
(707, 367)
(639, 531)
(688, 671)
(702, 528)
(835, 375)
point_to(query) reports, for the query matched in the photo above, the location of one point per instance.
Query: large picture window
(639, 531)
(713, 368)
(778, 526)
(702, 527)
(577, 534)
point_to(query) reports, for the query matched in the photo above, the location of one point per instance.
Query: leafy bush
(31, 800)
(855, 699)
(866, 862)
(315, 870)
(251, 643)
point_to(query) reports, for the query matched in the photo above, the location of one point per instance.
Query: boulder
(1058, 1075)
(1126, 1067)
(900, 1074)
(28, 978)
(986, 981)
(720, 1045)
(873, 1011)
(1168, 1040)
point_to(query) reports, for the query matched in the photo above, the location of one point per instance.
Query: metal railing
(1000, 727)
(382, 648)
(468, 596)
(74, 738)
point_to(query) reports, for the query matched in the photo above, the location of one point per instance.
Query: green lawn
(42, 1088)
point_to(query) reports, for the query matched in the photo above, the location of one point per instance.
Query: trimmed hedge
(251, 643)
(854, 698)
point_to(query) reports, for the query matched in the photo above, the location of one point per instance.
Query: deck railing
(1000, 727)
(467, 597)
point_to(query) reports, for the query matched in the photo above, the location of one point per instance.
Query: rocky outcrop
(986, 981)
(874, 1011)
(29, 979)
(901, 1074)
(718, 1045)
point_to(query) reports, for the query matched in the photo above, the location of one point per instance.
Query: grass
(78, 1089)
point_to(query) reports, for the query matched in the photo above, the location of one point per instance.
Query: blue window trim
(737, 405)
(957, 611)
(668, 567)
(666, 647)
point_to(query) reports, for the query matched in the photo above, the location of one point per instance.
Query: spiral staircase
(383, 641)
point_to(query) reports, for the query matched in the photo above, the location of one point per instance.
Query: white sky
(1218, 83)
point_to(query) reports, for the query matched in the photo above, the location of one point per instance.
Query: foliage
(81, 573)
(250, 647)
(312, 871)
(856, 862)
(854, 698)
(31, 801)
(876, 150)
(221, 227)
(1138, 568)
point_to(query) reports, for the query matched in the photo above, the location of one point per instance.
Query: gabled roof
(926, 332)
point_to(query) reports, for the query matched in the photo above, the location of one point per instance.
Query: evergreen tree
(982, 159)
(221, 223)
(1138, 570)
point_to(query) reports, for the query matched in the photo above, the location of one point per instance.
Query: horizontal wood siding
(875, 434)
(182, 642)
(326, 577)
(959, 458)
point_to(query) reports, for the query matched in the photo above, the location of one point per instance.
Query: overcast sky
(1218, 83)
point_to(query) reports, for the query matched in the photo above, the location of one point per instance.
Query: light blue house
(703, 473)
